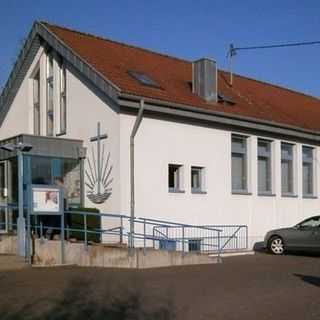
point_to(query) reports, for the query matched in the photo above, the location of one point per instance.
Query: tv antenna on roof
(233, 50)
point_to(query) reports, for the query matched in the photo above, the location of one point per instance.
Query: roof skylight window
(225, 100)
(143, 79)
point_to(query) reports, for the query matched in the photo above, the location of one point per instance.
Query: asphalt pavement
(259, 286)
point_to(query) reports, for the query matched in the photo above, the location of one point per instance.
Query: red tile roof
(252, 98)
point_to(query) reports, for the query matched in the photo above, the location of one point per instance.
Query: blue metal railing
(233, 237)
(149, 233)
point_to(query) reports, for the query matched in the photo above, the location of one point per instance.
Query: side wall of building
(159, 143)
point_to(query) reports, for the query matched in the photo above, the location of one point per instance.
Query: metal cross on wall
(98, 139)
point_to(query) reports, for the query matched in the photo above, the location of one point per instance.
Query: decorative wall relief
(98, 172)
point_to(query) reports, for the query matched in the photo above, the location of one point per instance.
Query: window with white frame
(36, 104)
(63, 99)
(264, 167)
(197, 179)
(287, 182)
(50, 111)
(175, 183)
(239, 164)
(307, 171)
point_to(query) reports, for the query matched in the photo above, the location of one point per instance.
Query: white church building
(100, 113)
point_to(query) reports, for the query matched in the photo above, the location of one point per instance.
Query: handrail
(177, 224)
(164, 235)
(204, 237)
(100, 214)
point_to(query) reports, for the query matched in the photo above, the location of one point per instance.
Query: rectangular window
(197, 179)
(264, 167)
(286, 168)
(239, 164)
(36, 104)
(174, 178)
(50, 113)
(63, 99)
(307, 171)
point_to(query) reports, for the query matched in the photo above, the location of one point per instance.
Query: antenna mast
(233, 51)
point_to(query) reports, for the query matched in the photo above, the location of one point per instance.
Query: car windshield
(311, 222)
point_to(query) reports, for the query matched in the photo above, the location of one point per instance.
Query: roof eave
(198, 113)
(54, 43)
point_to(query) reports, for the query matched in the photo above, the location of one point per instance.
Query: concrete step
(234, 253)
(12, 262)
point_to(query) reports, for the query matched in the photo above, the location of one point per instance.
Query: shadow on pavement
(259, 247)
(309, 279)
(80, 301)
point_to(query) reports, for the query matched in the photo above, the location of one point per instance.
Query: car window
(312, 222)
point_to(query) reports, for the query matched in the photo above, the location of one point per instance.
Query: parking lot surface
(259, 286)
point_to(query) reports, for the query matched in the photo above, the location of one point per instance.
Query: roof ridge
(115, 41)
(273, 85)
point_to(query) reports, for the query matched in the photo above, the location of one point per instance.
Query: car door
(306, 235)
(316, 237)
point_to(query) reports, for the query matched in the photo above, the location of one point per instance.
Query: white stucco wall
(85, 108)
(160, 142)
(19, 117)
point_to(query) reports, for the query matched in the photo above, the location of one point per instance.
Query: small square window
(175, 177)
(197, 179)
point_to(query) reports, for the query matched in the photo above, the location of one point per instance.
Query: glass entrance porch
(51, 161)
(55, 171)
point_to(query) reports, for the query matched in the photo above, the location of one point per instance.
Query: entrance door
(3, 197)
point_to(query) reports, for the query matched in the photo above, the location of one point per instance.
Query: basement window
(144, 79)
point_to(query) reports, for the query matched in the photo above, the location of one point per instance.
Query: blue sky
(187, 29)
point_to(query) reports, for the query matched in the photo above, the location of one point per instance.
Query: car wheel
(276, 245)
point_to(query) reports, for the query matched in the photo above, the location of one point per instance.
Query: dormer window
(144, 79)
(50, 111)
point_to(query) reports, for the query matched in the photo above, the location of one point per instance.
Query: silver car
(305, 236)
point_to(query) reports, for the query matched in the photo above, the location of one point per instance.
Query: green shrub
(76, 221)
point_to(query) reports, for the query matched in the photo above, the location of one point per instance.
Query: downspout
(132, 199)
